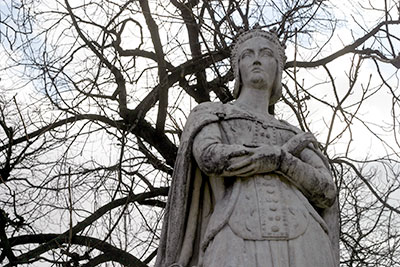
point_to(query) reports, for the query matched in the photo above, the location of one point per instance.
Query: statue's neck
(254, 100)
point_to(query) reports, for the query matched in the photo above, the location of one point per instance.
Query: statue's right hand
(238, 153)
(258, 160)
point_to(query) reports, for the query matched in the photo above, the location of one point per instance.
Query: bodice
(267, 207)
(256, 132)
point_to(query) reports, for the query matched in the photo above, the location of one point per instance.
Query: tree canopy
(95, 94)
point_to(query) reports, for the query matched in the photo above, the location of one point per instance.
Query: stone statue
(248, 189)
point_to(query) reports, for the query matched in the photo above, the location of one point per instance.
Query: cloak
(190, 204)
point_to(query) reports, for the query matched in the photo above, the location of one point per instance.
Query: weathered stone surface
(248, 189)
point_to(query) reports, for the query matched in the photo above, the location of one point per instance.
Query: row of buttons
(269, 196)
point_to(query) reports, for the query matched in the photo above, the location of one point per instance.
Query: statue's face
(257, 63)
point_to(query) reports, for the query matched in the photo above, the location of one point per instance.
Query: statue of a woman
(248, 189)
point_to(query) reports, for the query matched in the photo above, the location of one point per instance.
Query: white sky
(376, 110)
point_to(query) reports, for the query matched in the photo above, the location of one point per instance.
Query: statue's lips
(257, 69)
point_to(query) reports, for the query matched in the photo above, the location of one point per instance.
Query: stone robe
(268, 219)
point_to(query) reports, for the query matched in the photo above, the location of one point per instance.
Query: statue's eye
(247, 53)
(266, 53)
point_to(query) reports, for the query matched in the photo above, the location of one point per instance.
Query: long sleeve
(311, 176)
(210, 152)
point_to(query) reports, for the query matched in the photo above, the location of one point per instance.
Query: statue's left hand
(298, 143)
(259, 160)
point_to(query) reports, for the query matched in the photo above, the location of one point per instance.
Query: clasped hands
(263, 159)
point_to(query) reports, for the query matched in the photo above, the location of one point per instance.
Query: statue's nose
(256, 62)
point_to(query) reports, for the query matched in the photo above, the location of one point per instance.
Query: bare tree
(95, 95)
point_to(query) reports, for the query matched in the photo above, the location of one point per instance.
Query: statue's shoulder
(207, 111)
(289, 126)
(219, 110)
(204, 113)
(208, 107)
(200, 116)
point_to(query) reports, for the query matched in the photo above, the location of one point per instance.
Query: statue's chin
(258, 82)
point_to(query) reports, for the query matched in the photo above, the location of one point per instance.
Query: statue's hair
(281, 59)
